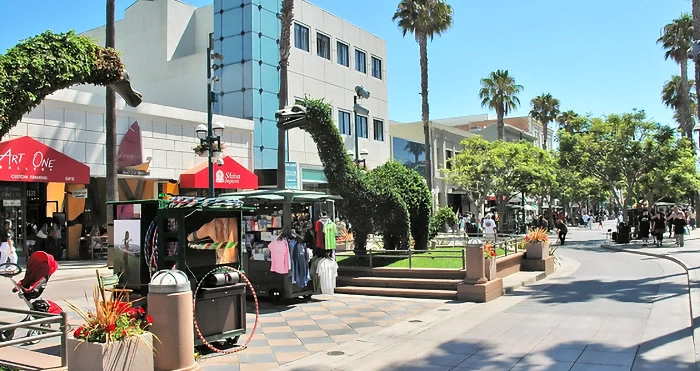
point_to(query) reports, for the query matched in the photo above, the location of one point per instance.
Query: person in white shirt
(489, 227)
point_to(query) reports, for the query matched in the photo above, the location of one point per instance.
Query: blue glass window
(378, 130)
(301, 37)
(343, 54)
(377, 67)
(361, 127)
(323, 46)
(344, 123)
(360, 61)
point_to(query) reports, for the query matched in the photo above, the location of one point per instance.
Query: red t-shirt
(319, 234)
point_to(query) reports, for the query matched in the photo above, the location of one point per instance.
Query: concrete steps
(399, 292)
(423, 273)
(25, 359)
(400, 283)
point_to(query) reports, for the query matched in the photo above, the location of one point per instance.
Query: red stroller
(40, 267)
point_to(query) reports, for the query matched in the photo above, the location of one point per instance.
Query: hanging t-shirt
(329, 230)
(319, 234)
(279, 256)
(327, 273)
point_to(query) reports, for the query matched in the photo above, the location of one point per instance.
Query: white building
(163, 44)
(525, 124)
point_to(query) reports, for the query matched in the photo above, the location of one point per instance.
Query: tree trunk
(545, 124)
(286, 17)
(696, 37)
(684, 109)
(111, 144)
(501, 124)
(425, 108)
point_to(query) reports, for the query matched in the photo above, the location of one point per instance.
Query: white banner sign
(80, 193)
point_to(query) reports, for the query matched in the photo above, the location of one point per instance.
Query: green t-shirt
(329, 230)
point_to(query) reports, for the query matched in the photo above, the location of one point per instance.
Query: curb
(510, 289)
(695, 326)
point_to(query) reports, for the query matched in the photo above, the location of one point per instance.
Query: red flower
(133, 313)
(123, 332)
(110, 328)
(78, 332)
(141, 311)
(149, 319)
(493, 253)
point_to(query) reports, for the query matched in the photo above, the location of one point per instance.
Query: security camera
(220, 161)
(361, 92)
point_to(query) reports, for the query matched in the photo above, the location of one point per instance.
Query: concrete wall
(73, 122)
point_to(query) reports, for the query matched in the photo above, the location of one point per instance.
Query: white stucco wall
(73, 122)
(316, 77)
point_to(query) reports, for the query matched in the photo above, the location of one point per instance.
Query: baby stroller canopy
(39, 266)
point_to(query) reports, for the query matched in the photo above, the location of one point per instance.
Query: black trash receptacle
(623, 234)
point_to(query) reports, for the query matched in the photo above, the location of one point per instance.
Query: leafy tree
(676, 40)
(670, 95)
(424, 19)
(445, 216)
(500, 93)
(545, 109)
(472, 170)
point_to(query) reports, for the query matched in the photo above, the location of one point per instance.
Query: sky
(595, 56)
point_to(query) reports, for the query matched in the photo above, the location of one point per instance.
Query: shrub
(444, 216)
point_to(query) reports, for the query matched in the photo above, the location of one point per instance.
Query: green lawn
(5, 368)
(442, 259)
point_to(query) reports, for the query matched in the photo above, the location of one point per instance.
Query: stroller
(40, 267)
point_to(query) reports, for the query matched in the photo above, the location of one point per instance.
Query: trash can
(170, 306)
(623, 233)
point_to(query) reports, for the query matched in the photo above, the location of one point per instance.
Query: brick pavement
(289, 332)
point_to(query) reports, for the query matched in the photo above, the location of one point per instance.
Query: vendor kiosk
(197, 236)
(289, 215)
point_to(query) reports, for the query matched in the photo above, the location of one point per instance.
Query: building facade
(408, 147)
(526, 124)
(164, 45)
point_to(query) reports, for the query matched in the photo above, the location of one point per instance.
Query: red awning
(27, 160)
(230, 175)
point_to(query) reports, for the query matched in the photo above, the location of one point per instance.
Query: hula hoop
(194, 310)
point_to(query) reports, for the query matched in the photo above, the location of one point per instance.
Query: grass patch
(6, 368)
(444, 259)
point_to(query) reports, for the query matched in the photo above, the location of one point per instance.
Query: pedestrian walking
(679, 224)
(561, 230)
(489, 228)
(7, 247)
(659, 227)
(644, 226)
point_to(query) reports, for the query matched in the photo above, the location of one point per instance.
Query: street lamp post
(211, 133)
(360, 93)
(362, 159)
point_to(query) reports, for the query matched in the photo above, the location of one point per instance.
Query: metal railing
(508, 243)
(38, 318)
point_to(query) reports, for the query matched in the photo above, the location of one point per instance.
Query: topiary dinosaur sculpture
(391, 199)
(43, 64)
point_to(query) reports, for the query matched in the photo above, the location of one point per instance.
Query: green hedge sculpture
(43, 64)
(392, 199)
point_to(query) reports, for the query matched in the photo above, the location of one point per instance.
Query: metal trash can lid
(169, 282)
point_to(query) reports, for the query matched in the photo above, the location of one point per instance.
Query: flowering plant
(489, 250)
(537, 235)
(203, 148)
(114, 319)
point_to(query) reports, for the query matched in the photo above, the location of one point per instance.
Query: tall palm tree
(424, 19)
(696, 38)
(676, 38)
(565, 118)
(545, 109)
(286, 17)
(671, 96)
(112, 187)
(500, 93)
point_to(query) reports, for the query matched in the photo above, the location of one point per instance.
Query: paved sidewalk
(688, 257)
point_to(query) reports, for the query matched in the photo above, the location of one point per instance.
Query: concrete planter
(490, 267)
(538, 250)
(135, 354)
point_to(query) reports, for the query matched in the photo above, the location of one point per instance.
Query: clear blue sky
(597, 56)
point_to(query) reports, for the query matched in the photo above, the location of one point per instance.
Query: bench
(29, 360)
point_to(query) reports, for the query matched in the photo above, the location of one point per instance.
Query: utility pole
(111, 144)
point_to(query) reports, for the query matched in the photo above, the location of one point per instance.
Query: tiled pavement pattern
(289, 332)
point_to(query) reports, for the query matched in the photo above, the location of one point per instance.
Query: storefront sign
(80, 193)
(291, 175)
(230, 175)
(27, 160)
(227, 177)
(15, 203)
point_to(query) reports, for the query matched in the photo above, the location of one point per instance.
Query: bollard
(170, 306)
(475, 261)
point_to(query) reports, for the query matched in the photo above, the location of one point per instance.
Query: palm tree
(565, 119)
(676, 38)
(416, 149)
(112, 187)
(545, 109)
(670, 95)
(424, 19)
(286, 17)
(500, 93)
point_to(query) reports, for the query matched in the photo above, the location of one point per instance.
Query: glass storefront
(411, 154)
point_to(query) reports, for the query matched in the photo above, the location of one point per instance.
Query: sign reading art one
(28, 160)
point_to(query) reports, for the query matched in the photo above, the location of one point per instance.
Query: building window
(343, 54)
(448, 159)
(344, 123)
(360, 61)
(323, 46)
(361, 127)
(301, 37)
(378, 130)
(377, 67)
